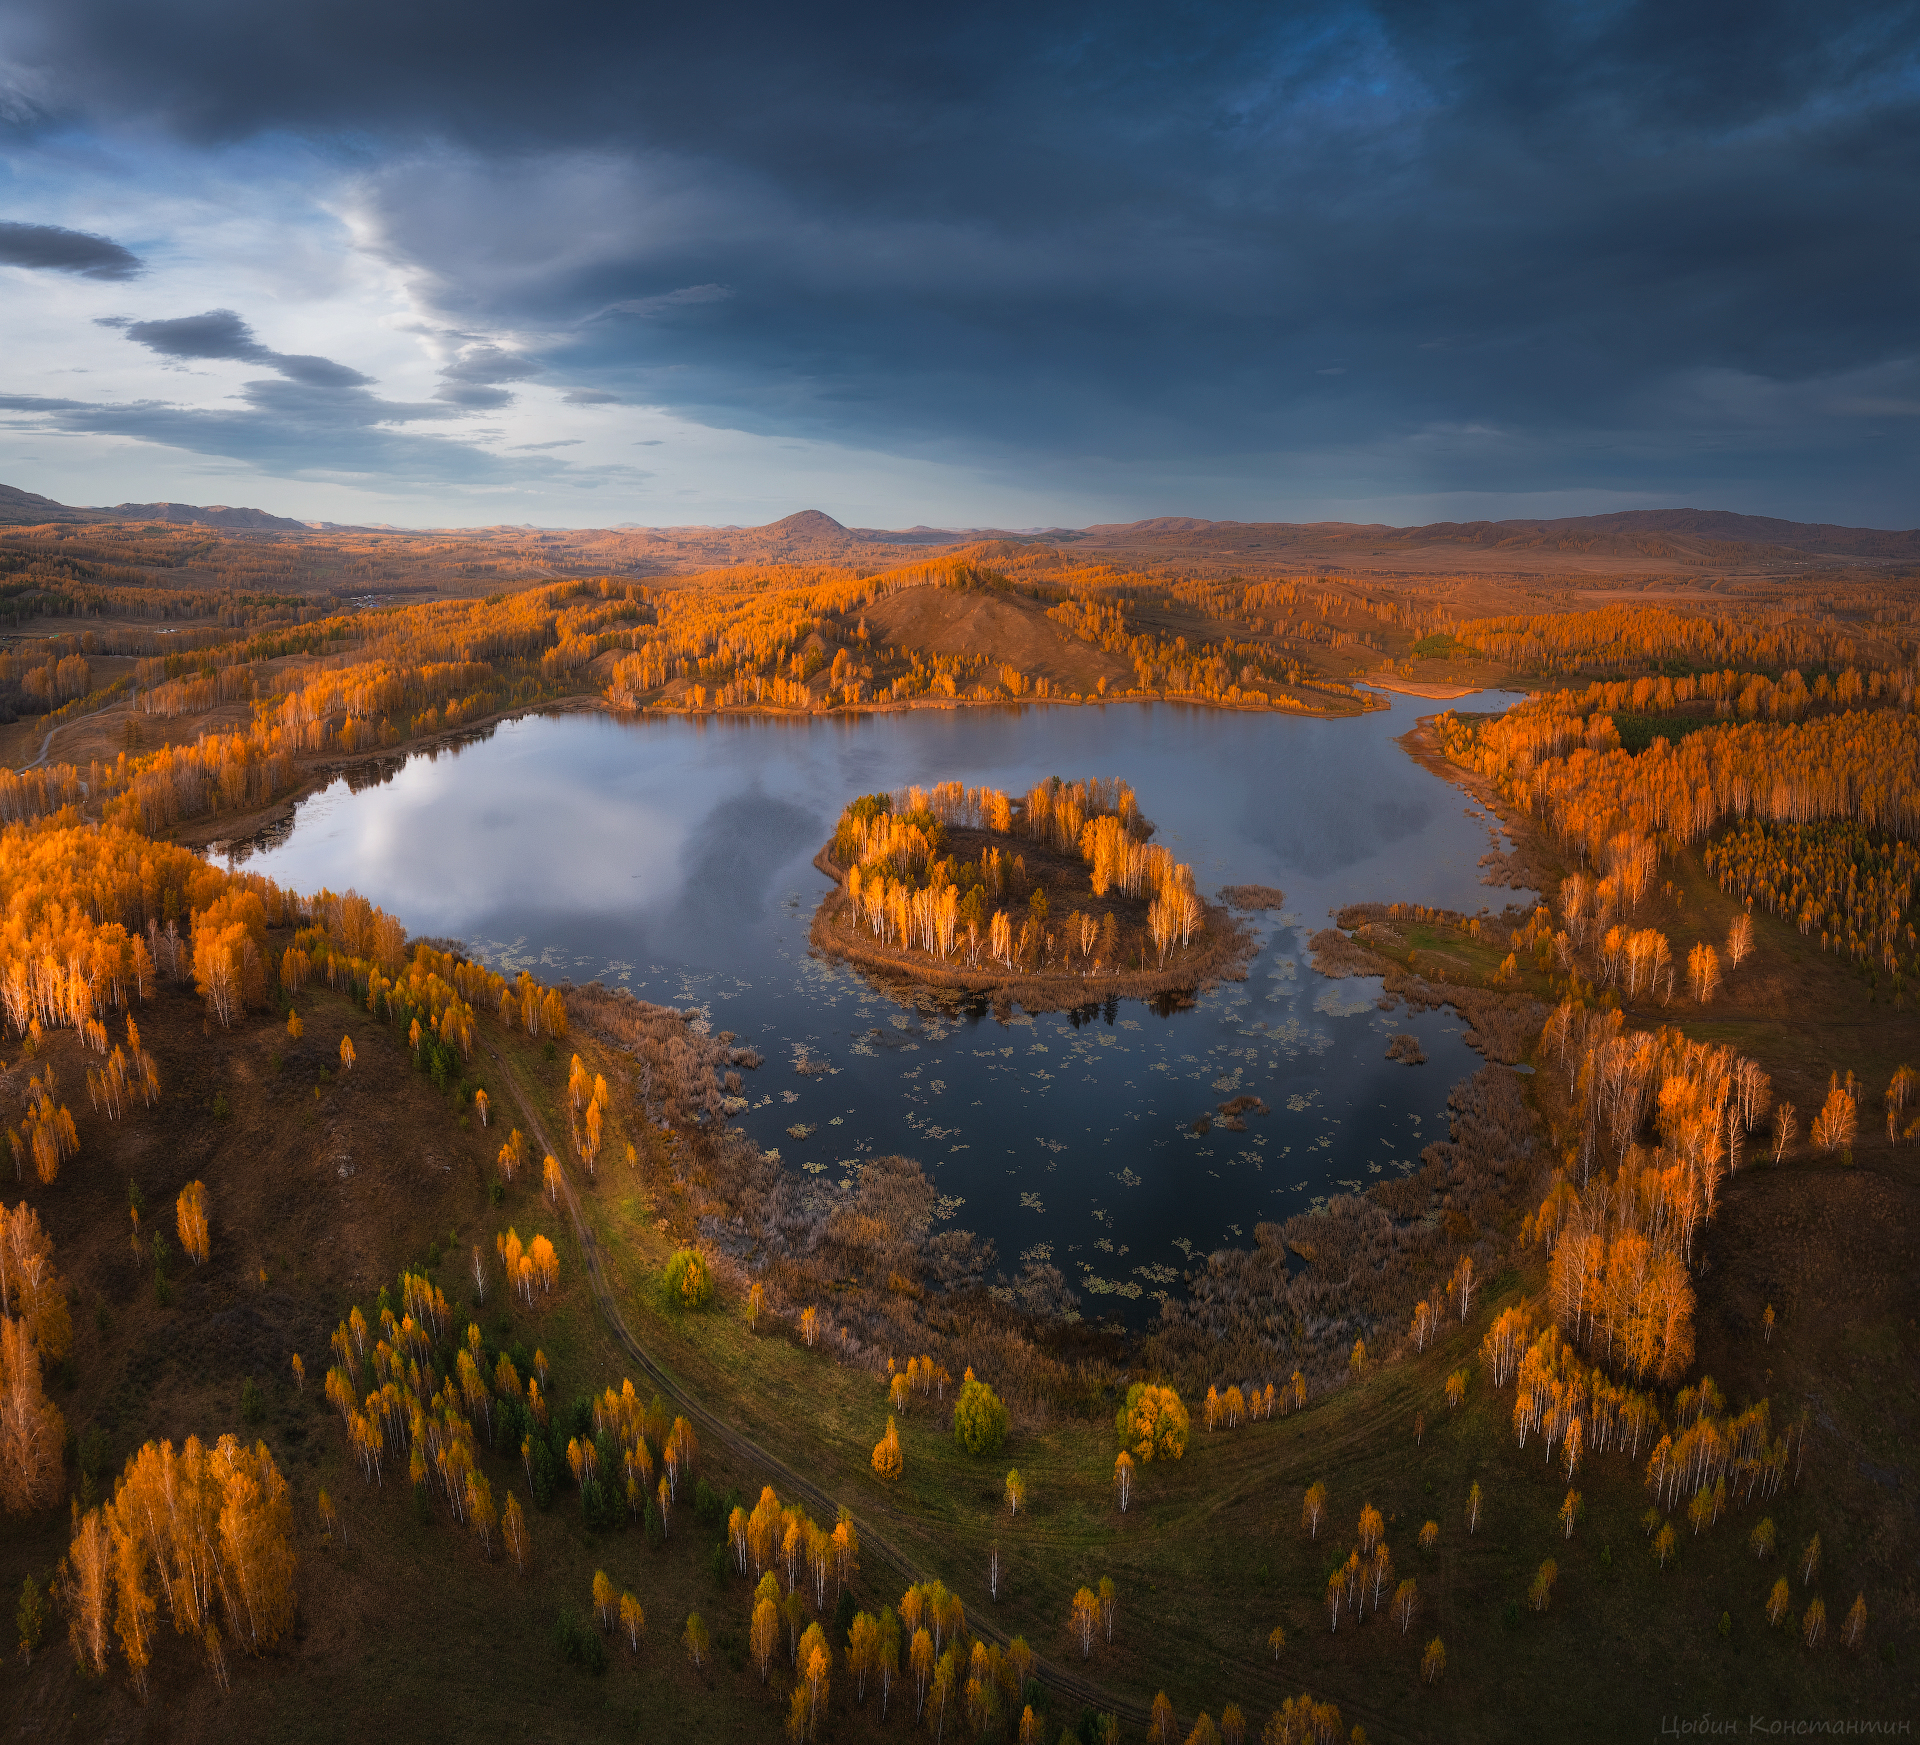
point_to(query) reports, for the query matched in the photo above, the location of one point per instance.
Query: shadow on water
(731, 859)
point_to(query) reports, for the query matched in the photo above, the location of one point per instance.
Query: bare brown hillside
(1002, 627)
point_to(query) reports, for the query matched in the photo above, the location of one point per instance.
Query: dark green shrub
(94, 1454)
(512, 1424)
(600, 1503)
(545, 1472)
(579, 1643)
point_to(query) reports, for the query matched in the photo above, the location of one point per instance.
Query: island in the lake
(1058, 898)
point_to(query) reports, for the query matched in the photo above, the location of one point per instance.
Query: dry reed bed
(884, 1279)
(1368, 1257)
(1253, 897)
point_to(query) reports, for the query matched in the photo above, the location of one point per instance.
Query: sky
(993, 265)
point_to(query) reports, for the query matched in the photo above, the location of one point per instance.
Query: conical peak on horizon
(806, 521)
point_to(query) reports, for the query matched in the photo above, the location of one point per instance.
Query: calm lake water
(673, 857)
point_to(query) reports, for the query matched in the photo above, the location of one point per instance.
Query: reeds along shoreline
(880, 1270)
(1360, 1261)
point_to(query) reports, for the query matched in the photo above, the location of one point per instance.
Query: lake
(672, 856)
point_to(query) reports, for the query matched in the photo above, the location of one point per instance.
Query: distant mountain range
(24, 509)
(1688, 536)
(1680, 533)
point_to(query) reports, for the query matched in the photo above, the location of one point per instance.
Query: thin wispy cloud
(647, 307)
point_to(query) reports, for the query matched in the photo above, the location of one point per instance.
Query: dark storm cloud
(220, 333)
(1427, 246)
(49, 247)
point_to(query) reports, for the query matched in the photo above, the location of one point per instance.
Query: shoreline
(224, 831)
(1421, 687)
(900, 705)
(1531, 855)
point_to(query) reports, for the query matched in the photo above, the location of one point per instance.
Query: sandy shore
(1415, 687)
